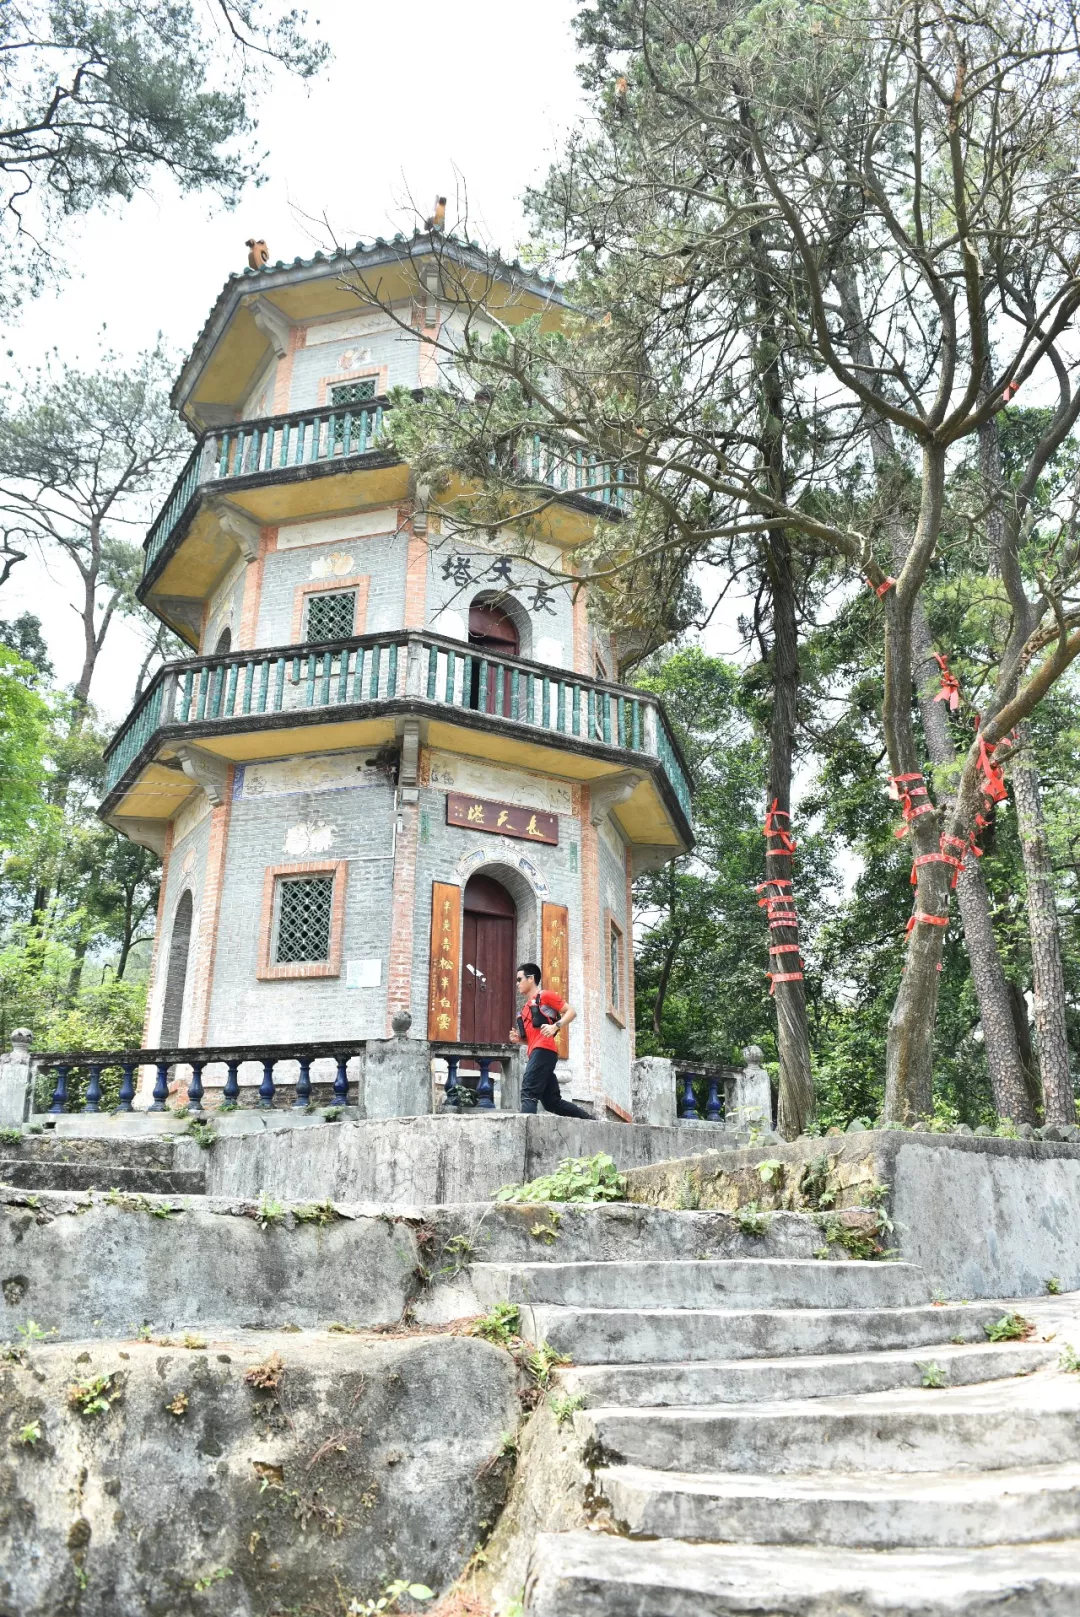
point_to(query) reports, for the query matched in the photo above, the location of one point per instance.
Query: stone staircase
(759, 1437)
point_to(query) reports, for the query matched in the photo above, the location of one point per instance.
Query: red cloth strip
(950, 685)
(929, 920)
(881, 589)
(782, 977)
(785, 948)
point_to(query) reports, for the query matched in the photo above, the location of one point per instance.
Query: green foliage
(543, 1361)
(576, 1179)
(33, 1332)
(94, 1395)
(318, 1213)
(771, 1172)
(1053, 1286)
(502, 1326)
(25, 716)
(565, 1406)
(269, 1212)
(29, 1434)
(202, 1132)
(751, 1220)
(100, 98)
(390, 1599)
(208, 1579)
(932, 1374)
(1010, 1327)
(1069, 1360)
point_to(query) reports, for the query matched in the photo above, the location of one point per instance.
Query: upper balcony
(313, 463)
(244, 706)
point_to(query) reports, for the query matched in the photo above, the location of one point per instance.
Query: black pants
(541, 1085)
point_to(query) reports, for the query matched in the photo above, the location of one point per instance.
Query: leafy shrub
(577, 1179)
(1010, 1328)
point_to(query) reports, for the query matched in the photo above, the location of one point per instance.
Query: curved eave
(310, 289)
(153, 789)
(198, 554)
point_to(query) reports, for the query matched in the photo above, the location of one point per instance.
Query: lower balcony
(284, 701)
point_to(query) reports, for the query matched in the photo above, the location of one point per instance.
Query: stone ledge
(985, 1217)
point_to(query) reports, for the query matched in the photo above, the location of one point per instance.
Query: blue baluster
(266, 1088)
(59, 1095)
(303, 1083)
(127, 1086)
(161, 1087)
(93, 1088)
(713, 1109)
(689, 1106)
(451, 1081)
(230, 1094)
(341, 1082)
(195, 1087)
(485, 1088)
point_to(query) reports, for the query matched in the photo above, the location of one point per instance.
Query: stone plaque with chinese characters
(445, 979)
(503, 819)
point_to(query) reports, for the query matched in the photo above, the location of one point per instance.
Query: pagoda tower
(397, 760)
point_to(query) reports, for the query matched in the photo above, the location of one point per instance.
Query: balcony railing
(426, 670)
(319, 437)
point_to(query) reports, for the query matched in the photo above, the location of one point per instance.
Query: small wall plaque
(501, 819)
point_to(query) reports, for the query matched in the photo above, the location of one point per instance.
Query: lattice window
(331, 617)
(342, 394)
(304, 908)
(616, 965)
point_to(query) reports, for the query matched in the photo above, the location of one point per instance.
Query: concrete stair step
(963, 1429)
(884, 1510)
(738, 1381)
(590, 1574)
(704, 1283)
(504, 1232)
(29, 1174)
(661, 1336)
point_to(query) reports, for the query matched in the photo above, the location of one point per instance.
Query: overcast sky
(419, 99)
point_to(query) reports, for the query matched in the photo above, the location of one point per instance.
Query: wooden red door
(492, 632)
(488, 1005)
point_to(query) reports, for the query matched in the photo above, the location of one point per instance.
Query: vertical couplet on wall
(554, 938)
(445, 976)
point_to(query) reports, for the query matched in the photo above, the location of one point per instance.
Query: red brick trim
(246, 633)
(159, 932)
(416, 572)
(359, 582)
(338, 868)
(617, 1012)
(613, 1106)
(210, 913)
(628, 956)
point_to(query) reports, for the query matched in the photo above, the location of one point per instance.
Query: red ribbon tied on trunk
(904, 793)
(993, 786)
(950, 685)
(772, 829)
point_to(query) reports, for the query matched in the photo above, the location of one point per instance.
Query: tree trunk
(74, 981)
(1047, 978)
(793, 1033)
(1008, 1079)
(991, 988)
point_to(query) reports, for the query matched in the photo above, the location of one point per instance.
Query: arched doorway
(488, 1005)
(224, 642)
(176, 976)
(492, 632)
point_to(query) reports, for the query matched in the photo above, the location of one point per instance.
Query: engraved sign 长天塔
(502, 819)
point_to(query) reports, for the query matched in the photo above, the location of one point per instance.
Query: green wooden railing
(426, 669)
(309, 437)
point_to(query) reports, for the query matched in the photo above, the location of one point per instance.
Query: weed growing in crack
(932, 1374)
(564, 1407)
(93, 1396)
(502, 1325)
(30, 1434)
(1010, 1328)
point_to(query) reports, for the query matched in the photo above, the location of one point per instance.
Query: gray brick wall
(395, 350)
(187, 869)
(360, 822)
(459, 571)
(381, 559)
